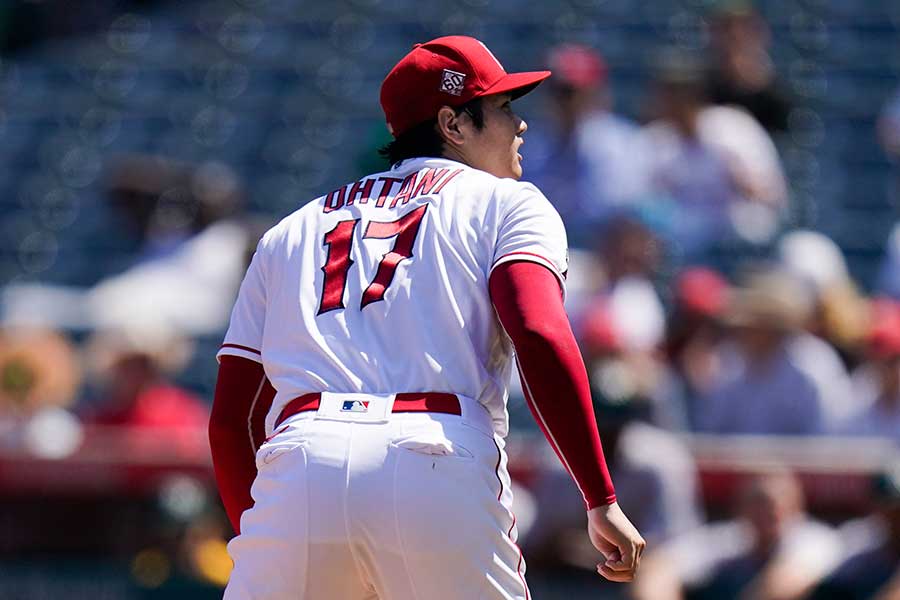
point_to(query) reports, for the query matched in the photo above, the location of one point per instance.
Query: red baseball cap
(578, 66)
(884, 330)
(701, 291)
(447, 71)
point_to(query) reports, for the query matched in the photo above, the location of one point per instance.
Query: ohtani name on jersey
(420, 183)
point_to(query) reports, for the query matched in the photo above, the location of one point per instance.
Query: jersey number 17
(339, 242)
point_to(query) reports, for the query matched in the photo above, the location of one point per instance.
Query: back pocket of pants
(270, 452)
(431, 441)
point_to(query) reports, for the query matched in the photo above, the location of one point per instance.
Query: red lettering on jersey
(385, 189)
(428, 180)
(406, 228)
(446, 180)
(406, 189)
(334, 200)
(338, 241)
(363, 188)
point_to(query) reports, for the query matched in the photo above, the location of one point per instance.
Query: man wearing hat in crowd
(761, 389)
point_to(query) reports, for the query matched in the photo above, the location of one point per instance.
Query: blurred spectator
(715, 173)
(875, 408)
(627, 260)
(824, 367)
(742, 72)
(132, 367)
(840, 312)
(693, 335)
(39, 378)
(761, 388)
(872, 573)
(189, 290)
(773, 550)
(192, 254)
(191, 259)
(165, 203)
(628, 249)
(622, 321)
(653, 469)
(630, 255)
(836, 323)
(583, 157)
(621, 375)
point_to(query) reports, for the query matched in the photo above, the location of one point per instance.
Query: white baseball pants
(413, 508)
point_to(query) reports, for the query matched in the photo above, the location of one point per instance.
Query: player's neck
(454, 154)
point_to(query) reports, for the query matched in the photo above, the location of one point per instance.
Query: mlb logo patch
(357, 406)
(452, 82)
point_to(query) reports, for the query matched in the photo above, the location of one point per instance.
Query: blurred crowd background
(728, 174)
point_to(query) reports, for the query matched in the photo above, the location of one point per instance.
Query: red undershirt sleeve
(236, 429)
(527, 298)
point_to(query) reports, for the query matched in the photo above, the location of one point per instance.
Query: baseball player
(374, 332)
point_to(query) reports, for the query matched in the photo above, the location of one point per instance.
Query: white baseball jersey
(381, 286)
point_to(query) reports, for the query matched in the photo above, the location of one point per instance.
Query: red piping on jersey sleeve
(508, 254)
(236, 429)
(506, 258)
(527, 298)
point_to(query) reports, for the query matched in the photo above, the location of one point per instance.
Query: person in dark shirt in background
(771, 550)
(874, 572)
(742, 73)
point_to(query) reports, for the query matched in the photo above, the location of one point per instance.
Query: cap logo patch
(452, 82)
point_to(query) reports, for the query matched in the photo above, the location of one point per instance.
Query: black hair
(424, 139)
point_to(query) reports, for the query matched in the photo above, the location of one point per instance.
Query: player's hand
(617, 539)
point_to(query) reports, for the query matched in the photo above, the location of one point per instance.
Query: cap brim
(517, 84)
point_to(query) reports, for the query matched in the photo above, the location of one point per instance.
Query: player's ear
(448, 126)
